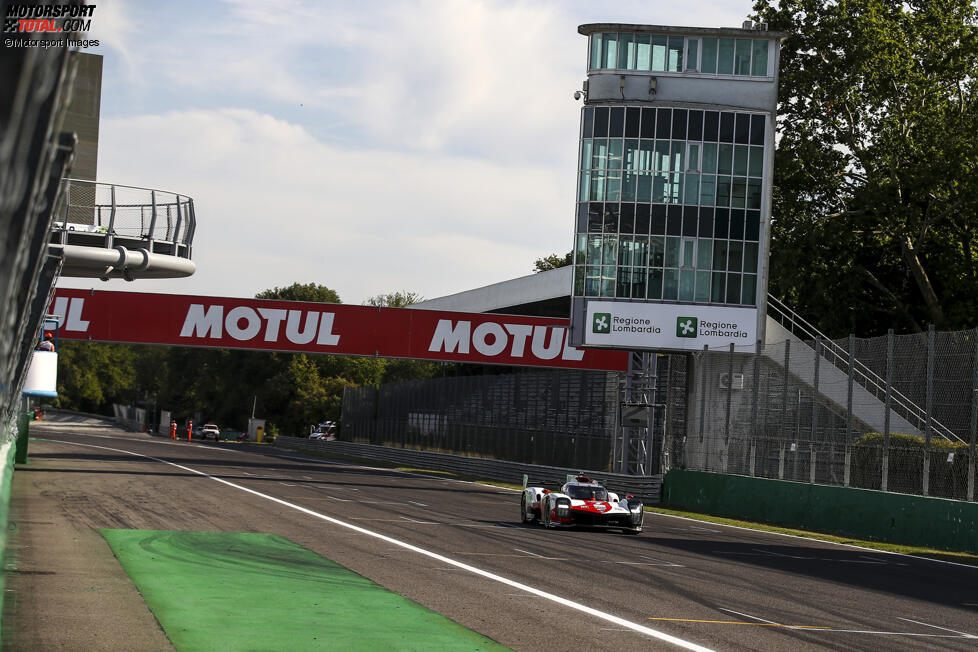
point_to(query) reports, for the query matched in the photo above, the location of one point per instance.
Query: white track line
(611, 618)
(937, 627)
(863, 631)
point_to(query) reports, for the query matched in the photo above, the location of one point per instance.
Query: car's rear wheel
(523, 517)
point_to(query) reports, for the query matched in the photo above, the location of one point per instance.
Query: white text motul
(69, 313)
(491, 339)
(244, 323)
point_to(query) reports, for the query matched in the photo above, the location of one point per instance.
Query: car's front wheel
(637, 529)
(545, 513)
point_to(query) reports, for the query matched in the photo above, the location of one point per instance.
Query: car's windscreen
(587, 493)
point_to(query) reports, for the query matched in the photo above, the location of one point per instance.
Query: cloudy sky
(369, 146)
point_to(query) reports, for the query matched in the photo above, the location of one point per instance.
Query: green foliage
(308, 396)
(553, 261)
(906, 464)
(399, 299)
(876, 192)
(302, 292)
(93, 376)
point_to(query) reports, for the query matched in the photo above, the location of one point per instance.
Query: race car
(581, 501)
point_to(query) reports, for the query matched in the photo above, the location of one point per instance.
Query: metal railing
(103, 215)
(863, 375)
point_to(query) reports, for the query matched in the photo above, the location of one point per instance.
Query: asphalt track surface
(456, 548)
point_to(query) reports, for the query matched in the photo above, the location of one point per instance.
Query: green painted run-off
(866, 514)
(230, 591)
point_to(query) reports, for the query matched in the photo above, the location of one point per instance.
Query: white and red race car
(581, 501)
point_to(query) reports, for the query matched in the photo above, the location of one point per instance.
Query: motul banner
(271, 325)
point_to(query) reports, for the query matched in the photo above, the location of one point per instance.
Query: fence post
(706, 347)
(730, 383)
(784, 408)
(974, 419)
(814, 429)
(111, 232)
(886, 411)
(755, 406)
(625, 438)
(784, 389)
(781, 460)
(928, 405)
(152, 222)
(852, 361)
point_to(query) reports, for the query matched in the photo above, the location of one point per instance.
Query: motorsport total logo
(668, 326)
(37, 24)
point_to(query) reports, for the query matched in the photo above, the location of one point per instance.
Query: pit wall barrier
(861, 513)
(7, 449)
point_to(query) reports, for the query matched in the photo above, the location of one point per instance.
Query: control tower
(674, 186)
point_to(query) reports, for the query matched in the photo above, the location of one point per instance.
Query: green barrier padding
(6, 478)
(230, 591)
(862, 513)
(23, 434)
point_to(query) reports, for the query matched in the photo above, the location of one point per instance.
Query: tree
(399, 299)
(302, 292)
(93, 376)
(875, 214)
(553, 261)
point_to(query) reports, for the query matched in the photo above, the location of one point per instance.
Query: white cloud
(276, 206)
(434, 149)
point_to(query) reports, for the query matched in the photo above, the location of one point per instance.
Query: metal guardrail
(863, 375)
(648, 488)
(105, 215)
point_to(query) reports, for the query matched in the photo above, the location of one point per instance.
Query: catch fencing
(556, 417)
(894, 413)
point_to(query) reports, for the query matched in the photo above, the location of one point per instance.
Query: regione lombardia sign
(619, 324)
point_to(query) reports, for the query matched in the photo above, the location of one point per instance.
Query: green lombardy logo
(601, 322)
(686, 327)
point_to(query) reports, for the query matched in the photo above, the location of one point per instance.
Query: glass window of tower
(679, 54)
(669, 198)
